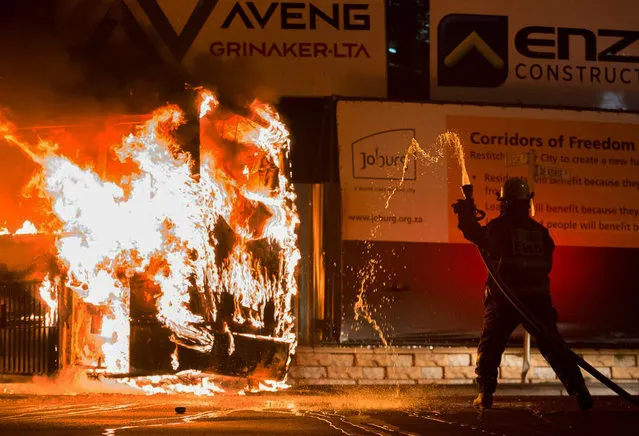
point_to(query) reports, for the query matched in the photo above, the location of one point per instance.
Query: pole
(525, 366)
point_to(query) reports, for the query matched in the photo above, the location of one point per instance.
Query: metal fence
(28, 330)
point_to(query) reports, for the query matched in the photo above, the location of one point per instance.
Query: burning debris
(198, 269)
(27, 229)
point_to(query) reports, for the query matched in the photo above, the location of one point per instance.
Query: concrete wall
(441, 365)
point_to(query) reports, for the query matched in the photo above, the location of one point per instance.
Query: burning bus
(155, 263)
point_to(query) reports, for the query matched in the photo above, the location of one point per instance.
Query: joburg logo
(472, 50)
(384, 155)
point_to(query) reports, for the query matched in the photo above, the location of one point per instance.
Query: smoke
(52, 75)
(236, 81)
(39, 82)
(67, 382)
(70, 59)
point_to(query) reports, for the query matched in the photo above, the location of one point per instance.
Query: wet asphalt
(348, 411)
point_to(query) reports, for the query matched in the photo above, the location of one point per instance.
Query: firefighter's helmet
(515, 188)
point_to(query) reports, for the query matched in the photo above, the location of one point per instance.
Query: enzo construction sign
(301, 48)
(580, 53)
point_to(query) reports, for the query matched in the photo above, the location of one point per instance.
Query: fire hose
(537, 328)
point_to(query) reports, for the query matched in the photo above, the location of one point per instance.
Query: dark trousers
(501, 319)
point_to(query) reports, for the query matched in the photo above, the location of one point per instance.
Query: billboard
(586, 163)
(304, 48)
(569, 53)
(404, 258)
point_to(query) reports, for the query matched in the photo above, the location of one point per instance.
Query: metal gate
(28, 330)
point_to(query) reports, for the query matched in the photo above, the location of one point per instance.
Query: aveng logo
(384, 156)
(473, 51)
(299, 16)
(222, 14)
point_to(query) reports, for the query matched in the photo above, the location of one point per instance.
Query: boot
(483, 401)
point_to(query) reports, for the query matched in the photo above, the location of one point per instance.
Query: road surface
(347, 411)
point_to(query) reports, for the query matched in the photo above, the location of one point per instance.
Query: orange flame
(160, 221)
(175, 384)
(27, 229)
(48, 294)
(208, 101)
(269, 386)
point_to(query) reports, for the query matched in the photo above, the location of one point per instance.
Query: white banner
(585, 166)
(579, 53)
(374, 139)
(302, 48)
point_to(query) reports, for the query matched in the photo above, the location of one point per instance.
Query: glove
(464, 208)
(467, 211)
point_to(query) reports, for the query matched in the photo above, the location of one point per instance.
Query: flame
(254, 197)
(49, 296)
(208, 101)
(229, 335)
(27, 229)
(269, 386)
(162, 222)
(4, 231)
(175, 360)
(187, 382)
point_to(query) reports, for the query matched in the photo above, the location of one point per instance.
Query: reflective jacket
(520, 248)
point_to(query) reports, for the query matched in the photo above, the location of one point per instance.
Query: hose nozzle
(467, 206)
(468, 191)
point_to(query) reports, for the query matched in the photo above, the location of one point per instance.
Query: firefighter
(521, 250)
